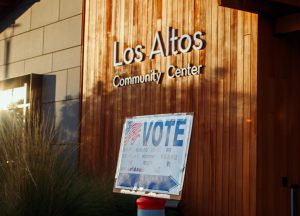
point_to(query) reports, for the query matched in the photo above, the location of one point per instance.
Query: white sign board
(153, 154)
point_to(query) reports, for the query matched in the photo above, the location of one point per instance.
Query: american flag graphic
(132, 132)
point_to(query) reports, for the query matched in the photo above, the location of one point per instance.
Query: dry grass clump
(38, 178)
(35, 176)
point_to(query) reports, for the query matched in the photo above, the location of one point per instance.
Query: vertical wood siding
(221, 168)
(278, 146)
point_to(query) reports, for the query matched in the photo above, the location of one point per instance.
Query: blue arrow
(167, 184)
(147, 182)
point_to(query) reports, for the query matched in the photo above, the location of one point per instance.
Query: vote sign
(153, 154)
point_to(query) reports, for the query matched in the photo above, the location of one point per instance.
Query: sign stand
(152, 159)
(150, 206)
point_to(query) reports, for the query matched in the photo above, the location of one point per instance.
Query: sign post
(153, 155)
(148, 206)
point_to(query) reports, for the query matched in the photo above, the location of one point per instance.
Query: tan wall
(221, 168)
(46, 40)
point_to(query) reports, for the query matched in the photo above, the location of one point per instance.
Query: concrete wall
(46, 39)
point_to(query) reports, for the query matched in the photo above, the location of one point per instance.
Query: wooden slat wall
(221, 169)
(295, 3)
(278, 146)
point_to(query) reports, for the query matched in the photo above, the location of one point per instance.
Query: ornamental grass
(39, 178)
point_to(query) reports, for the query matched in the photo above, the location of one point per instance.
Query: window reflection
(14, 99)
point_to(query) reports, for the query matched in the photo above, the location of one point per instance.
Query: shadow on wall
(6, 51)
(68, 123)
(63, 114)
(8, 22)
(17, 11)
(104, 111)
(220, 113)
(67, 126)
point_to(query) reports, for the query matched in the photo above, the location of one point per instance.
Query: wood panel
(288, 24)
(272, 8)
(278, 114)
(221, 168)
(294, 3)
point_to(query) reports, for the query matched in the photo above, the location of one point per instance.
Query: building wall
(278, 113)
(221, 166)
(46, 39)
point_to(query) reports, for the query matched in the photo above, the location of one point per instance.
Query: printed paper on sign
(153, 153)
